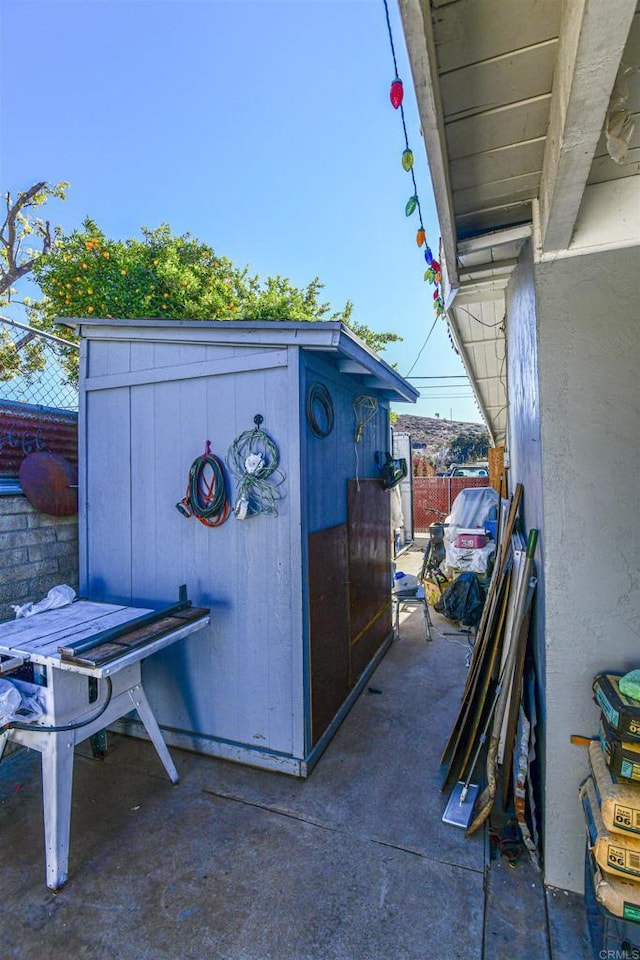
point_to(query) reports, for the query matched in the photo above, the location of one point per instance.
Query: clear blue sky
(263, 128)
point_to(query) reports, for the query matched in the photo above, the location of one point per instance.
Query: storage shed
(300, 601)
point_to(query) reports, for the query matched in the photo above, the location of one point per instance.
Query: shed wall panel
(241, 688)
(239, 669)
(333, 460)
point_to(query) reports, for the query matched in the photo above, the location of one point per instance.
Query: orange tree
(178, 277)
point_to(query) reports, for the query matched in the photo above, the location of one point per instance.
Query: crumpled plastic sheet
(472, 508)
(20, 700)
(60, 596)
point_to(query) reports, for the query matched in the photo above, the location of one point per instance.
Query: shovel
(459, 809)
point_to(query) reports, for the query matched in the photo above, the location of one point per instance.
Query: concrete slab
(353, 863)
(568, 930)
(164, 872)
(357, 784)
(515, 913)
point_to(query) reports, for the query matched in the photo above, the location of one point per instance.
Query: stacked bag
(610, 798)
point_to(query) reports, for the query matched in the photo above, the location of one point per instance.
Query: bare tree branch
(11, 238)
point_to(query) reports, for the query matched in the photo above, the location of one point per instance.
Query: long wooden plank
(513, 709)
(483, 696)
(106, 652)
(486, 625)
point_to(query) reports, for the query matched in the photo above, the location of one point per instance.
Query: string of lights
(396, 94)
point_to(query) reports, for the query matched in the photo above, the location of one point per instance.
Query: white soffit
(512, 100)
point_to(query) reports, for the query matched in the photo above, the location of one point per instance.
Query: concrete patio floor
(233, 863)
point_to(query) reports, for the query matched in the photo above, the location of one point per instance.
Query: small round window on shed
(320, 414)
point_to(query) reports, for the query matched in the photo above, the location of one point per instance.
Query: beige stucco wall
(574, 372)
(589, 371)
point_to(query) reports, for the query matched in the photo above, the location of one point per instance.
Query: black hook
(258, 419)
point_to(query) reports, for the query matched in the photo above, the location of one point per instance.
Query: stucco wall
(525, 453)
(37, 552)
(589, 366)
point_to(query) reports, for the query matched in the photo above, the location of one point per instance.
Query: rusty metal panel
(369, 571)
(25, 429)
(328, 625)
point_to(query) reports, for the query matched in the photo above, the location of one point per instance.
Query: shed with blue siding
(300, 602)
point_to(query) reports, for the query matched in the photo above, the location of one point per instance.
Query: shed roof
(329, 337)
(513, 101)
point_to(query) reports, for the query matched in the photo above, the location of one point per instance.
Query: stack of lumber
(611, 806)
(490, 707)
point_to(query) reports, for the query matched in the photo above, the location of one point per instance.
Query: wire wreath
(253, 459)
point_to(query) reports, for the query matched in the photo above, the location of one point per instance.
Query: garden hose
(206, 495)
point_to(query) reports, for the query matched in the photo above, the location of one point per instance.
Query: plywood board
(369, 570)
(328, 625)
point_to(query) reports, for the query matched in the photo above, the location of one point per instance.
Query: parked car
(468, 470)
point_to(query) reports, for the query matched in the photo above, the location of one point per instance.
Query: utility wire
(422, 347)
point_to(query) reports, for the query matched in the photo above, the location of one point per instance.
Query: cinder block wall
(37, 552)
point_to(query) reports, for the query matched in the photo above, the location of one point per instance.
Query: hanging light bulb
(435, 265)
(420, 236)
(396, 94)
(407, 160)
(429, 275)
(428, 255)
(412, 203)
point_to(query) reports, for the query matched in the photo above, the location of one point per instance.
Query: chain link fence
(47, 387)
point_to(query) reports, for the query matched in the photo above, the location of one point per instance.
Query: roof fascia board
(326, 335)
(418, 31)
(592, 40)
(386, 378)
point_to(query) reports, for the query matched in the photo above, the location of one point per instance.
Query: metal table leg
(140, 702)
(57, 783)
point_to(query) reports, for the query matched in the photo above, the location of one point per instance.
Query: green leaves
(158, 275)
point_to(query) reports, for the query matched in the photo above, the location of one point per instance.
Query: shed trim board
(190, 371)
(152, 394)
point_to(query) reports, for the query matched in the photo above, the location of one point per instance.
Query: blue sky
(263, 128)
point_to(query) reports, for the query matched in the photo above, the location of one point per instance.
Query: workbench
(86, 660)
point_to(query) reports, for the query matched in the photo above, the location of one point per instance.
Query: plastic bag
(57, 597)
(405, 583)
(20, 700)
(10, 701)
(462, 600)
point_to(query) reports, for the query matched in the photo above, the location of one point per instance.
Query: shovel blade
(459, 810)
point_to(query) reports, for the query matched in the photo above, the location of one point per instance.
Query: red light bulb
(396, 93)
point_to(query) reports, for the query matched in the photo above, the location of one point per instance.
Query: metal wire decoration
(253, 459)
(365, 408)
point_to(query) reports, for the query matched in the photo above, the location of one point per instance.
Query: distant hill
(435, 432)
